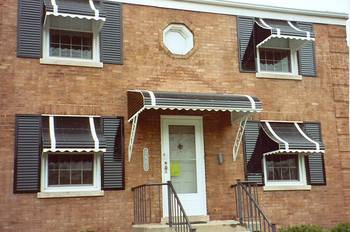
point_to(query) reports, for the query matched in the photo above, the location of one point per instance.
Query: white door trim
(197, 121)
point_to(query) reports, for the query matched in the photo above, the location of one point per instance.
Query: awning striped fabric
(139, 100)
(72, 134)
(272, 30)
(81, 9)
(291, 138)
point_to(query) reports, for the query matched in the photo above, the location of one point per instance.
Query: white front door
(183, 162)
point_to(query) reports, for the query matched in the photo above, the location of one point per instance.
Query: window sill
(71, 62)
(95, 193)
(283, 76)
(288, 188)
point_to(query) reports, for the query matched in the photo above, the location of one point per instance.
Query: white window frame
(301, 184)
(47, 59)
(47, 191)
(294, 74)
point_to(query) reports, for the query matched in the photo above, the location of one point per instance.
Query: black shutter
(253, 162)
(245, 27)
(315, 167)
(113, 158)
(307, 57)
(29, 28)
(27, 154)
(112, 34)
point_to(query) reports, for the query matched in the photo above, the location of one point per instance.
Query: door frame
(197, 121)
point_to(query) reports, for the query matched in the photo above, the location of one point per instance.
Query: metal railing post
(170, 213)
(273, 226)
(239, 202)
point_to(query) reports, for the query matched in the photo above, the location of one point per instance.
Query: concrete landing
(210, 226)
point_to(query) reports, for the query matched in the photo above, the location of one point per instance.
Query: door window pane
(183, 169)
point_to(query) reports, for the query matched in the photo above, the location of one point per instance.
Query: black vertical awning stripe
(144, 99)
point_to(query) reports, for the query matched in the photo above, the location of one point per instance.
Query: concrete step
(210, 226)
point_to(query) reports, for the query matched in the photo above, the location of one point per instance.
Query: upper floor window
(276, 48)
(277, 57)
(71, 41)
(71, 32)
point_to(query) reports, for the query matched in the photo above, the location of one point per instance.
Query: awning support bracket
(132, 135)
(239, 137)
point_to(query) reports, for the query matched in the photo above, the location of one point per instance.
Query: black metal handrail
(248, 209)
(148, 197)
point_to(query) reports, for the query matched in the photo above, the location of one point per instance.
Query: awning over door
(290, 138)
(270, 30)
(139, 100)
(81, 9)
(72, 134)
(240, 107)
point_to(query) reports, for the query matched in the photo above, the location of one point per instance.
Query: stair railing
(148, 197)
(249, 212)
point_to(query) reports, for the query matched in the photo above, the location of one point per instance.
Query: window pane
(76, 51)
(76, 177)
(70, 169)
(53, 177)
(282, 167)
(87, 177)
(64, 177)
(275, 60)
(71, 44)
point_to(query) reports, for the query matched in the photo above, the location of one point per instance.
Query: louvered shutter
(112, 34)
(29, 28)
(250, 138)
(27, 154)
(307, 57)
(113, 158)
(315, 167)
(245, 27)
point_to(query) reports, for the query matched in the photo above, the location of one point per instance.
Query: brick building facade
(28, 87)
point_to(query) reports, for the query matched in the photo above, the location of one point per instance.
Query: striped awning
(72, 134)
(80, 9)
(139, 100)
(270, 30)
(290, 138)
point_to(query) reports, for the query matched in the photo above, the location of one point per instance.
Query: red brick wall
(28, 87)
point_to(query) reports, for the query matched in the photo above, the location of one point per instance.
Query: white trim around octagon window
(70, 191)
(288, 185)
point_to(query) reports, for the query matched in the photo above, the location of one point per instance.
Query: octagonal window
(178, 39)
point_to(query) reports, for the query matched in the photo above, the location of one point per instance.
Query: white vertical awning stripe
(251, 102)
(298, 29)
(52, 132)
(276, 136)
(92, 5)
(93, 133)
(55, 7)
(307, 137)
(153, 98)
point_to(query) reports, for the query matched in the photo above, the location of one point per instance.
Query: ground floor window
(68, 170)
(284, 170)
(62, 172)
